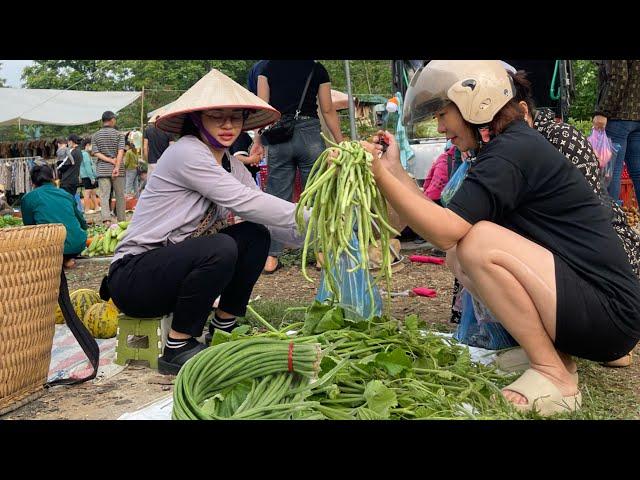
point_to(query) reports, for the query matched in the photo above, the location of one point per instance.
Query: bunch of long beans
(257, 360)
(385, 372)
(343, 195)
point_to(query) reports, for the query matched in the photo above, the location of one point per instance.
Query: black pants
(185, 279)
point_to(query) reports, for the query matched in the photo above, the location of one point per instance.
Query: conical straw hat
(216, 90)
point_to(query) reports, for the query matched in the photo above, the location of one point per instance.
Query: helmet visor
(427, 93)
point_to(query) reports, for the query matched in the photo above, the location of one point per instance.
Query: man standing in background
(252, 77)
(156, 141)
(107, 145)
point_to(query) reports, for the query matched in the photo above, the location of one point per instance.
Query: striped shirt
(107, 141)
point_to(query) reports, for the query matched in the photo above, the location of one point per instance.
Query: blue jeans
(283, 159)
(131, 180)
(627, 134)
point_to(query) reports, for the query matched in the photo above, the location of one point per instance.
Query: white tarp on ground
(59, 107)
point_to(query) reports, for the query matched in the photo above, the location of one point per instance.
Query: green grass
(273, 312)
(293, 257)
(606, 393)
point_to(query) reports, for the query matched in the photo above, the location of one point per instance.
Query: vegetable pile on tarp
(7, 221)
(104, 240)
(344, 198)
(388, 371)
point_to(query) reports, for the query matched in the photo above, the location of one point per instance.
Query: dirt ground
(138, 385)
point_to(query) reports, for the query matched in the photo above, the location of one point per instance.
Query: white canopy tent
(59, 107)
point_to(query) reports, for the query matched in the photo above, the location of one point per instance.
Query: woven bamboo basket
(30, 264)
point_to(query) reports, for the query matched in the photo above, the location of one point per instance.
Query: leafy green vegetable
(380, 398)
(394, 362)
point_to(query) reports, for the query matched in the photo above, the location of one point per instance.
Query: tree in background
(585, 74)
(165, 80)
(2, 80)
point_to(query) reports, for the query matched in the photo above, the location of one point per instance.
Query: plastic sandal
(515, 360)
(620, 362)
(542, 395)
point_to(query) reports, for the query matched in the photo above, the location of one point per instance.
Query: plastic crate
(627, 193)
(297, 184)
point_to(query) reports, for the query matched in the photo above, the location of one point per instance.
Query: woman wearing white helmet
(524, 232)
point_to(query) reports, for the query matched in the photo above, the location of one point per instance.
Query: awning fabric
(59, 107)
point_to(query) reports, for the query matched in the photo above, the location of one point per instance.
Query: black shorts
(584, 324)
(87, 184)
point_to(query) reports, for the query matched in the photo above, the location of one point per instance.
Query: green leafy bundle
(379, 369)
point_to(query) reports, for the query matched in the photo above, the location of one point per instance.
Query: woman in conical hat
(180, 253)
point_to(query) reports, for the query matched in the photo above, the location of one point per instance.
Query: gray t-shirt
(181, 189)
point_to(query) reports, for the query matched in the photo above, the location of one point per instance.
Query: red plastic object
(424, 292)
(423, 259)
(130, 202)
(625, 173)
(264, 174)
(627, 193)
(297, 185)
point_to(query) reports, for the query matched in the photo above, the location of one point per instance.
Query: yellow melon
(102, 320)
(83, 299)
(59, 317)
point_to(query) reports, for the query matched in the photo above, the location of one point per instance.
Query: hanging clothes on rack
(15, 173)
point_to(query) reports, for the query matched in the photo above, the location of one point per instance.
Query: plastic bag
(352, 286)
(454, 183)
(482, 313)
(491, 336)
(602, 146)
(607, 170)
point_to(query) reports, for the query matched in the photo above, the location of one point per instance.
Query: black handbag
(282, 130)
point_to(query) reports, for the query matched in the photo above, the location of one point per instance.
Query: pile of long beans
(271, 366)
(383, 372)
(343, 195)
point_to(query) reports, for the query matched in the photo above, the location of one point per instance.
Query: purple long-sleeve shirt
(180, 190)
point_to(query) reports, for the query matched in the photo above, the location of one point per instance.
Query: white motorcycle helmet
(479, 88)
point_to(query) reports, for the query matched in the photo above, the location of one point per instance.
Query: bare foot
(71, 263)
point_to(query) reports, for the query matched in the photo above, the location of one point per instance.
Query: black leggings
(185, 278)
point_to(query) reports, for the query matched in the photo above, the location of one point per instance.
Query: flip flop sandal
(176, 363)
(620, 362)
(271, 272)
(515, 360)
(542, 395)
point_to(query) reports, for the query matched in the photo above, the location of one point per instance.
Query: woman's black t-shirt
(287, 79)
(522, 182)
